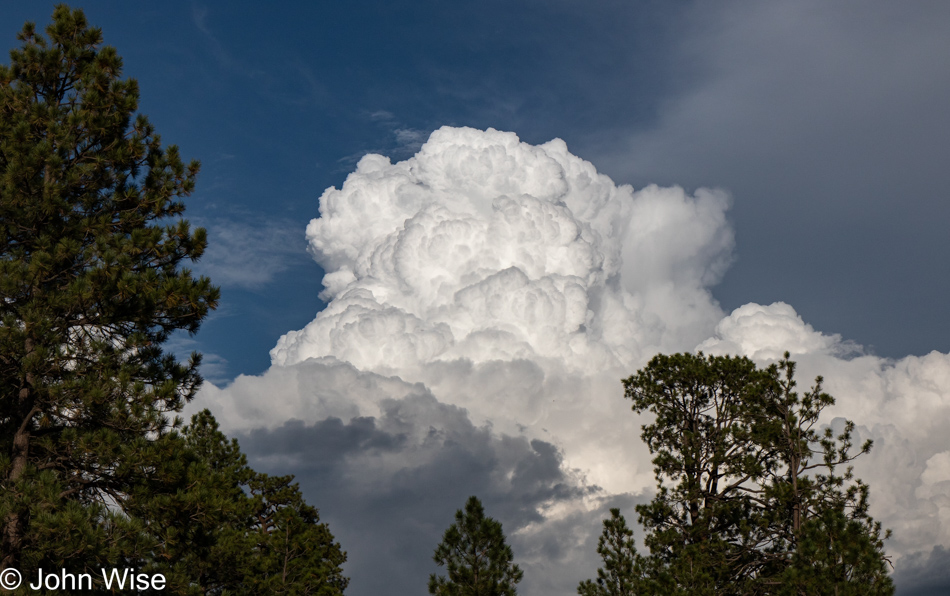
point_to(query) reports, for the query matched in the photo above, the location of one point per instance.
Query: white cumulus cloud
(483, 247)
(485, 297)
(902, 405)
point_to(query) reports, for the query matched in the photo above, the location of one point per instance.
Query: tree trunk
(19, 457)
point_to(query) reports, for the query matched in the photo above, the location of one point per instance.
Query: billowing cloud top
(484, 298)
(483, 247)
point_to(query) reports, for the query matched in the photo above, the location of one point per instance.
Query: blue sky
(844, 219)
(280, 102)
(826, 126)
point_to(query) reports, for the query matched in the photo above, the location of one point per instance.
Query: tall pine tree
(751, 497)
(90, 288)
(620, 573)
(93, 469)
(478, 561)
(220, 527)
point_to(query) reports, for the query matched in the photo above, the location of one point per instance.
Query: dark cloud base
(924, 574)
(389, 488)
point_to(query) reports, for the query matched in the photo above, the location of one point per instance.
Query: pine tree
(95, 470)
(90, 288)
(620, 573)
(477, 559)
(702, 443)
(225, 527)
(194, 511)
(820, 514)
(750, 499)
(293, 553)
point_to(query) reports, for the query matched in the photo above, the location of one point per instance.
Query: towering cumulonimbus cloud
(484, 299)
(482, 247)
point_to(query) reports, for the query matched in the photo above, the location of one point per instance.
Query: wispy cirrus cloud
(249, 254)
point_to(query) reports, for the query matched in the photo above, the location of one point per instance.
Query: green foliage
(195, 511)
(476, 557)
(90, 287)
(750, 499)
(839, 553)
(293, 553)
(620, 573)
(228, 529)
(95, 470)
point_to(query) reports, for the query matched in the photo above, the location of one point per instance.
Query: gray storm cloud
(484, 299)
